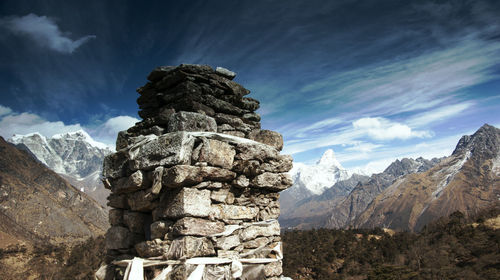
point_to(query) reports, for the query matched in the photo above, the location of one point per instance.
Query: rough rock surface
(197, 177)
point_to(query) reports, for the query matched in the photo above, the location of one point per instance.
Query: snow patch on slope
(450, 173)
(495, 168)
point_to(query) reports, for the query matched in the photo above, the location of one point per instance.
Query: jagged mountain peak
(483, 143)
(80, 135)
(74, 155)
(407, 165)
(328, 159)
(34, 135)
(317, 178)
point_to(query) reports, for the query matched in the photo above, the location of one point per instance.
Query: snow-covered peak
(317, 178)
(74, 154)
(80, 135)
(328, 159)
(18, 138)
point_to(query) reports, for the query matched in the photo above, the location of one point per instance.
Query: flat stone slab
(132, 183)
(142, 201)
(225, 72)
(115, 165)
(153, 248)
(166, 150)
(118, 237)
(264, 229)
(187, 247)
(191, 121)
(186, 202)
(188, 175)
(272, 181)
(227, 242)
(234, 212)
(197, 227)
(269, 137)
(217, 153)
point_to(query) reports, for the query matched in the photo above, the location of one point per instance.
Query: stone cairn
(195, 184)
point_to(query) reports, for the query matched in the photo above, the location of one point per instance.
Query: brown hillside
(37, 205)
(467, 181)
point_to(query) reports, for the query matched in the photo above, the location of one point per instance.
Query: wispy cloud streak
(44, 31)
(411, 84)
(439, 115)
(399, 100)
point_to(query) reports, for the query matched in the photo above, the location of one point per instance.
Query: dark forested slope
(449, 248)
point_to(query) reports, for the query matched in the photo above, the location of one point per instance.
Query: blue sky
(373, 80)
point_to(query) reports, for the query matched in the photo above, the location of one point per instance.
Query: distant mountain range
(74, 155)
(38, 206)
(407, 194)
(348, 209)
(339, 204)
(467, 181)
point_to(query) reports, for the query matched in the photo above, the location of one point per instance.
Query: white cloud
(4, 110)
(25, 123)
(372, 167)
(379, 159)
(383, 129)
(108, 131)
(379, 129)
(438, 115)
(363, 147)
(44, 31)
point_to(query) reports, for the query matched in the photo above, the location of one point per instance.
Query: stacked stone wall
(197, 177)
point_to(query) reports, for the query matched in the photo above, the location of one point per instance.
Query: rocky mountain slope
(356, 202)
(314, 210)
(75, 156)
(311, 180)
(466, 181)
(37, 205)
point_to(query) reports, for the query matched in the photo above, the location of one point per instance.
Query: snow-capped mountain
(310, 180)
(338, 205)
(74, 155)
(317, 178)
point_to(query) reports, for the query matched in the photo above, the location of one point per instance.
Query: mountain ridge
(467, 181)
(74, 155)
(359, 198)
(37, 205)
